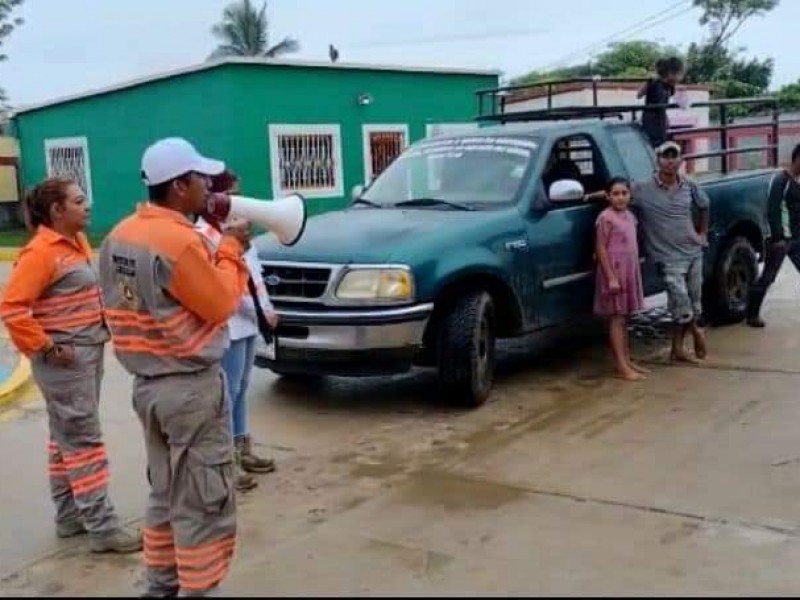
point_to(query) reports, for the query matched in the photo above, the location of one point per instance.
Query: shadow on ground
(575, 352)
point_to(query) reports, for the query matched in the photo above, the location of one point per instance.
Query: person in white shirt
(238, 359)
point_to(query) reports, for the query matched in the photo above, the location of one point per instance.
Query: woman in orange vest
(53, 312)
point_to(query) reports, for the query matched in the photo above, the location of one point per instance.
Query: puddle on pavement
(454, 493)
(418, 560)
(680, 533)
(377, 470)
(603, 423)
(373, 468)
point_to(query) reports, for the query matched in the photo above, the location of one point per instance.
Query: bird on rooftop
(333, 53)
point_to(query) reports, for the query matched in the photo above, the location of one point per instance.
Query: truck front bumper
(354, 343)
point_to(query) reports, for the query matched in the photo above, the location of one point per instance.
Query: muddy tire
(734, 274)
(466, 351)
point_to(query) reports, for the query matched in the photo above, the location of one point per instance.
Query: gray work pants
(78, 463)
(190, 528)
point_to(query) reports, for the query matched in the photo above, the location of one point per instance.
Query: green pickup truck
(467, 239)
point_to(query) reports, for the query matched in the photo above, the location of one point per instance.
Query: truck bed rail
(492, 105)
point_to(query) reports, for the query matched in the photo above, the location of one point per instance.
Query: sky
(71, 46)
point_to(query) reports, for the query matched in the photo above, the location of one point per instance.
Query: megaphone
(285, 217)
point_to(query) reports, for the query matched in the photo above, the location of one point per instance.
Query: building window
(69, 157)
(382, 144)
(306, 159)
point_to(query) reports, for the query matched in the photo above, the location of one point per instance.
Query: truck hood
(365, 235)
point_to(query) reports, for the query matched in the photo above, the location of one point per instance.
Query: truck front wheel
(734, 274)
(466, 357)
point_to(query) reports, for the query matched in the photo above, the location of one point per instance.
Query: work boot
(250, 462)
(70, 529)
(754, 301)
(242, 482)
(117, 541)
(161, 593)
(214, 592)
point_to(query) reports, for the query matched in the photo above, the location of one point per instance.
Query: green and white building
(283, 126)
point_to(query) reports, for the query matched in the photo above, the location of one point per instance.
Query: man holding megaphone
(168, 300)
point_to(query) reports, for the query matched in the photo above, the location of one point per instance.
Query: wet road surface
(567, 482)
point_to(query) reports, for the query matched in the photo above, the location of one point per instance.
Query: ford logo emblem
(273, 280)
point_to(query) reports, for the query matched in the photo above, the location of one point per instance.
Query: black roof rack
(492, 102)
(492, 105)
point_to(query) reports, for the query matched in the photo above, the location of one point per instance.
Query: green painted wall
(119, 126)
(226, 111)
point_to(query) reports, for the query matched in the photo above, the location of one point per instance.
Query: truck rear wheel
(734, 274)
(466, 357)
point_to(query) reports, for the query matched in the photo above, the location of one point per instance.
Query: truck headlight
(376, 284)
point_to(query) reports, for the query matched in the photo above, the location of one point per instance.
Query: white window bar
(306, 159)
(69, 157)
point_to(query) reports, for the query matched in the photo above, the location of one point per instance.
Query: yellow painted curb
(18, 378)
(9, 254)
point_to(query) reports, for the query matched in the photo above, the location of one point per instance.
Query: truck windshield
(474, 172)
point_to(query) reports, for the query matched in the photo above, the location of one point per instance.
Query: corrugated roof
(250, 61)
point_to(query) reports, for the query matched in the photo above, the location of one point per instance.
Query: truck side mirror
(566, 190)
(356, 192)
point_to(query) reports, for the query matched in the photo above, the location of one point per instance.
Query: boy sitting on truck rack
(658, 91)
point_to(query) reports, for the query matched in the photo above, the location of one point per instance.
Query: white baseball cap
(669, 145)
(172, 157)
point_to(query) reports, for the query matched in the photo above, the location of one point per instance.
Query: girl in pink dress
(618, 292)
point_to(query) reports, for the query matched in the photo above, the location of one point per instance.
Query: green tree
(244, 31)
(789, 96)
(623, 59)
(631, 59)
(564, 73)
(8, 23)
(725, 17)
(712, 62)
(715, 63)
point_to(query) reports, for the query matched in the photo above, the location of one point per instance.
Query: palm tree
(244, 31)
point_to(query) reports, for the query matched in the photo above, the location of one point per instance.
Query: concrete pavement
(567, 482)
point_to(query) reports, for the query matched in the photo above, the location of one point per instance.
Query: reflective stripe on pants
(78, 463)
(190, 524)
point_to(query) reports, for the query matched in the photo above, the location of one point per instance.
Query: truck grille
(287, 282)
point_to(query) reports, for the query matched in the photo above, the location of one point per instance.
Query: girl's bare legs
(633, 365)
(618, 339)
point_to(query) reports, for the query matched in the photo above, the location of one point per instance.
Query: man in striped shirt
(783, 216)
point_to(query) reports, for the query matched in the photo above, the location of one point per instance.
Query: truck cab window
(635, 152)
(482, 172)
(576, 158)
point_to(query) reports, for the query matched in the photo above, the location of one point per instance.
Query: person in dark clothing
(783, 216)
(658, 91)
